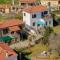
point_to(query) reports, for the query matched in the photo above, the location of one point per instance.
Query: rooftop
(5, 51)
(35, 9)
(10, 23)
(27, 1)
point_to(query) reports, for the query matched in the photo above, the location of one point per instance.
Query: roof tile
(35, 9)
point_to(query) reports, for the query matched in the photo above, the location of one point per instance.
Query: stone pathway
(24, 44)
(19, 45)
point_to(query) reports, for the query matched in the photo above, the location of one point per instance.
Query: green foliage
(8, 1)
(5, 1)
(47, 33)
(19, 16)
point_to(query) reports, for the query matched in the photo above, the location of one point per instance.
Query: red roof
(14, 28)
(35, 9)
(5, 49)
(27, 1)
(1, 57)
(10, 23)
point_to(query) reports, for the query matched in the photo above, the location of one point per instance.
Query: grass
(36, 49)
(57, 29)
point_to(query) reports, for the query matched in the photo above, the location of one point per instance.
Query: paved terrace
(24, 44)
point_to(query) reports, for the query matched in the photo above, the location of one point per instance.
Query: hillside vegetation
(7, 1)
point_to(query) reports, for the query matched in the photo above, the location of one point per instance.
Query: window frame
(24, 14)
(45, 12)
(33, 23)
(33, 15)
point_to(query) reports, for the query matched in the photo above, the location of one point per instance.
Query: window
(46, 23)
(49, 22)
(13, 8)
(12, 32)
(58, 2)
(45, 12)
(24, 14)
(22, 3)
(33, 23)
(5, 31)
(42, 14)
(34, 16)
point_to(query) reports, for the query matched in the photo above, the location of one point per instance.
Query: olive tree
(46, 35)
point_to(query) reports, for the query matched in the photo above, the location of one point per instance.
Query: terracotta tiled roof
(10, 23)
(35, 9)
(14, 28)
(27, 1)
(5, 6)
(5, 49)
(1, 57)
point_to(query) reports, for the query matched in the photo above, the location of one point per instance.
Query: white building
(26, 3)
(37, 16)
(53, 3)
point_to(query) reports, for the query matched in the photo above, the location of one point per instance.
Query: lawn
(57, 29)
(36, 49)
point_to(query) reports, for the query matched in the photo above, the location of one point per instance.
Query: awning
(40, 22)
(6, 38)
(14, 28)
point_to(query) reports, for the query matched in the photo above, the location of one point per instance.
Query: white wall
(26, 18)
(38, 16)
(53, 3)
(49, 24)
(11, 58)
(29, 20)
(7, 10)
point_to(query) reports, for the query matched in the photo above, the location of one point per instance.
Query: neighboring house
(8, 8)
(15, 9)
(37, 16)
(27, 3)
(6, 53)
(53, 3)
(11, 26)
(5, 8)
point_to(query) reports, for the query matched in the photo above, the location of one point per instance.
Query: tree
(46, 35)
